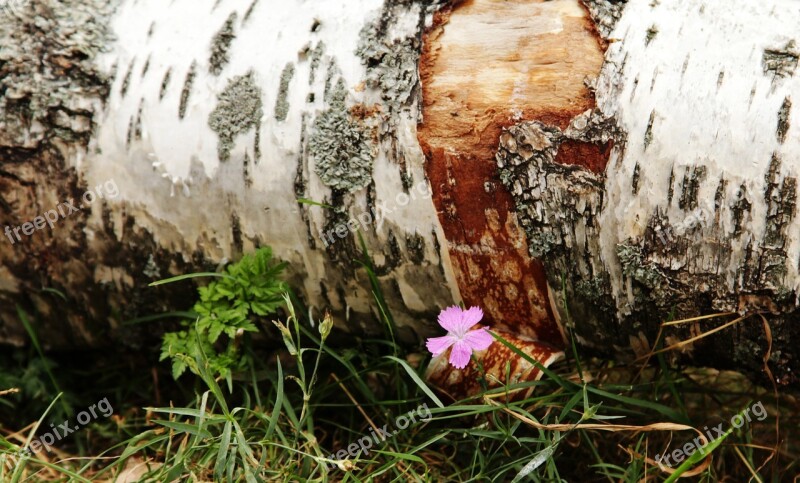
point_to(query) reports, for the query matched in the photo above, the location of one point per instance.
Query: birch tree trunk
(595, 166)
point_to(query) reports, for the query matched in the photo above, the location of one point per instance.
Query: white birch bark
(695, 211)
(214, 117)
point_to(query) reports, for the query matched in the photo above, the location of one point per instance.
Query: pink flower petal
(450, 317)
(437, 345)
(479, 339)
(469, 317)
(460, 354)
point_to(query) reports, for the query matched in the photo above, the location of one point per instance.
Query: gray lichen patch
(605, 14)
(187, 89)
(391, 61)
(59, 79)
(221, 44)
(783, 120)
(316, 58)
(781, 62)
(282, 100)
(634, 265)
(238, 109)
(341, 147)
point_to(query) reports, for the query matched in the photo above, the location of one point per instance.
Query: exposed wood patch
(486, 65)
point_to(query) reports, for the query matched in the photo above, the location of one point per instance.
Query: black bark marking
(651, 34)
(221, 44)
(248, 179)
(685, 66)
(129, 136)
(780, 62)
(783, 119)
(415, 246)
(146, 66)
(635, 179)
(137, 130)
(165, 84)
(648, 133)
(257, 143)
(187, 89)
(671, 187)
(249, 11)
(282, 99)
(739, 209)
(690, 186)
(781, 198)
(127, 80)
(719, 198)
(237, 246)
(300, 182)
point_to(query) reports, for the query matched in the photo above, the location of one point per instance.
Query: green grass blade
(698, 455)
(420, 383)
(183, 428)
(35, 341)
(306, 201)
(188, 276)
(222, 453)
(276, 410)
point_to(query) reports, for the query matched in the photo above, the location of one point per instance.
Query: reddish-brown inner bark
(486, 65)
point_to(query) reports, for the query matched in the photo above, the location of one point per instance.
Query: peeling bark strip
(486, 65)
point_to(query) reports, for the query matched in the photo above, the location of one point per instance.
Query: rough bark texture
(473, 86)
(695, 212)
(624, 160)
(211, 146)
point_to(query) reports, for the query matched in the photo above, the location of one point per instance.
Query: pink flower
(457, 322)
